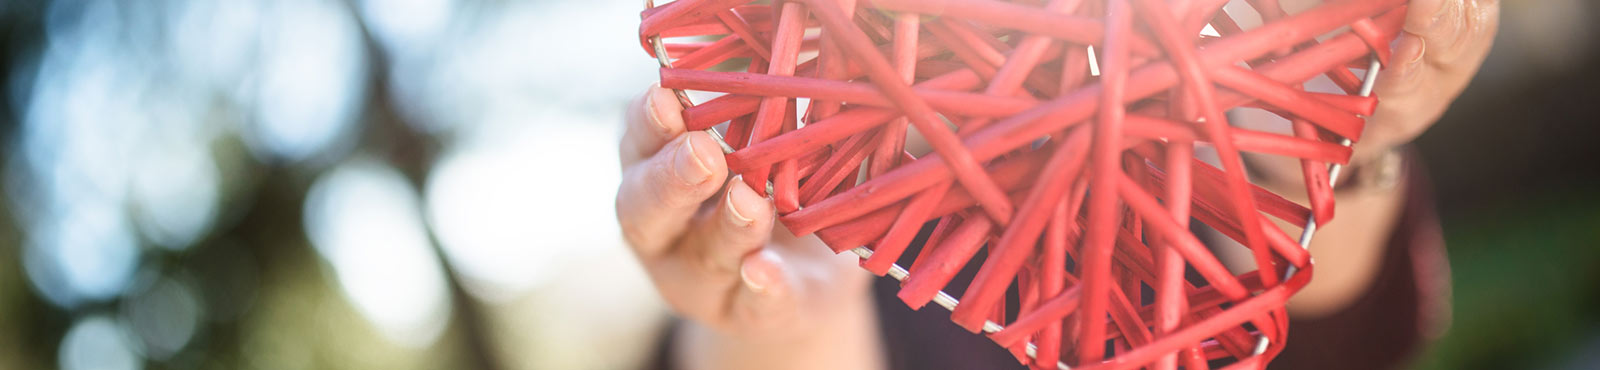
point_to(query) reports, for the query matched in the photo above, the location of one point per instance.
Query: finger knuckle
(672, 193)
(711, 262)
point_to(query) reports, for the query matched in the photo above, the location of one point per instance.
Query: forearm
(1347, 251)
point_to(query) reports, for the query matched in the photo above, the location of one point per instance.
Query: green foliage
(1526, 286)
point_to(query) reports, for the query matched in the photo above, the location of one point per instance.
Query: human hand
(1442, 45)
(711, 248)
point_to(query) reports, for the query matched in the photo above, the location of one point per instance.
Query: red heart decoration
(1063, 137)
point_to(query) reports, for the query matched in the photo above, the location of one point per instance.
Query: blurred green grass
(1526, 281)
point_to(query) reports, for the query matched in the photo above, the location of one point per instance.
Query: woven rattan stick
(1196, 79)
(1293, 100)
(1104, 211)
(737, 25)
(1079, 30)
(751, 101)
(1053, 258)
(840, 166)
(953, 102)
(786, 177)
(1169, 289)
(1074, 68)
(946, 226)
(895, 178)
(822, 133)
(1071, 109)
(717, 52)
(992, 49)
(1029, 52)
(1126, 317)
(719, 110)
(965, 167)
(964, 52)
(1186, 244)
(1327, 45)
(681, 12)
(887, 154)
(741, 127)
(1018, 240)
(1248, 141)
(1207, 194)
(948, 258)
(710, 54)
(1010, 173)
(1315, 175)
(905, 227)
(1018, 67)
(1269, 143)
(726, 107)
(769, 117)
(1236, 315)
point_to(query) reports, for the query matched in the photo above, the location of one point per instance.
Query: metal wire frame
(943, 299)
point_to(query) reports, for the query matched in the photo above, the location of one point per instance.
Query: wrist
(1379, 172)
(844, 336)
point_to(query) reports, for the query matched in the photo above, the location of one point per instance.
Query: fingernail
(689, 167)
(655, 112)
(749, 281)
(1422, 49)
(1410, 48)
(733, 209)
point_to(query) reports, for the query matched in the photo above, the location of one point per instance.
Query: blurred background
(427, 184)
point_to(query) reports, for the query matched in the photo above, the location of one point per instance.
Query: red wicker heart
(1078, 218)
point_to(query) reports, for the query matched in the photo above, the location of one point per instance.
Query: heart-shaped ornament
(1066, 139)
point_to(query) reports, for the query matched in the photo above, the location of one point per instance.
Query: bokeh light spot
(97, 343)
(364, 219)
(511, 200)
(311, 78)
(164, 317)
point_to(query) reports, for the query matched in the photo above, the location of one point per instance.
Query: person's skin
(1441, 47)
(753, 296)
